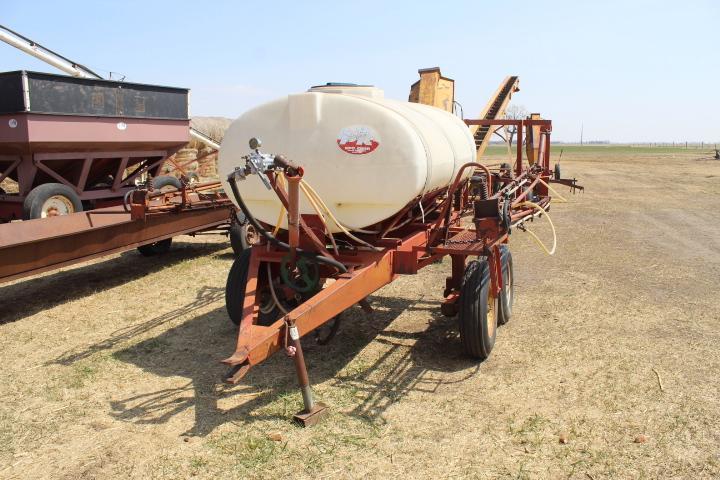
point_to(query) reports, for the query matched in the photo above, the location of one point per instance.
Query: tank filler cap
(341, 84)
(349, 89)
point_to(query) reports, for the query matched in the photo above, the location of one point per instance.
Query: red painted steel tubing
(451, 191)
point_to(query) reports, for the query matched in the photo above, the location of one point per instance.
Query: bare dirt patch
(110, 368)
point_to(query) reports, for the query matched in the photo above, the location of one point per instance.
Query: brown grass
(111, 368)
(213, 126)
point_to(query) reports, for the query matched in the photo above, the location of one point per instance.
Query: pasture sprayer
(360, 189)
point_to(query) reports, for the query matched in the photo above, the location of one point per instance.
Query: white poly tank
(366, 156)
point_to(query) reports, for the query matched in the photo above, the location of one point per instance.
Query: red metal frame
(35, 246)
(70, 149)
(403, 250)
(29, 166)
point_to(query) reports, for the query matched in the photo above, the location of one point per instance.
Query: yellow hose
(319, 212)
(281, 183)
(308, 188)
(535, 237)
(553, 190)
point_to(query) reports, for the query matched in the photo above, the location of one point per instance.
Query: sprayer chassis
(406, 251)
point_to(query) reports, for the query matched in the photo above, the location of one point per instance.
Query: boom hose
(270, 237)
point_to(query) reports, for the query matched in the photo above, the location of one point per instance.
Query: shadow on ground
(193, 349)
(28, 297)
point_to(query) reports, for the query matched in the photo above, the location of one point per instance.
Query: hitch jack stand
(313, 412)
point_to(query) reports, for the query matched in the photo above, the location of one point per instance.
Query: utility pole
(582, 126)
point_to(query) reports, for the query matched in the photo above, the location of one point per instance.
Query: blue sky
(627, 70)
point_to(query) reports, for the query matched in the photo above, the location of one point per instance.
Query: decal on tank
(358, 139)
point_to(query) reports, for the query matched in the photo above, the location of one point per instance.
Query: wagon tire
(235, 286)
(156, 248)
(505, 301)
(164, 181)
(242, 237)
(557, 171)
(478, 311)
(51, 199)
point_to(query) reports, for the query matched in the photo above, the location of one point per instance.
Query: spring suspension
(483, 189)
(479, 187)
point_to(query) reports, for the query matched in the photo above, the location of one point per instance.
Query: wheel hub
(57, 205)
(251, 235)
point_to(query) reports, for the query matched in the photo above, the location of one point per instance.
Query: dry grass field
(110, 369)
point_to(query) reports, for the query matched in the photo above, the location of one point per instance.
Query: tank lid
(340, 84)
(349, 89)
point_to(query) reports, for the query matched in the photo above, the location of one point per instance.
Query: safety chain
(289, 349)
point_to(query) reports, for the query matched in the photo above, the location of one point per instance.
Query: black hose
(270, 237)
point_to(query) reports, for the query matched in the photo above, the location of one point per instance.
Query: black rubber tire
(507, 294)
(235, 291)
(157, 248)
(27, 203)
(238, 238)
(477, 337)
(557, 171)
(240, 217)
(32, 206)
(235, 286)
(166, 181)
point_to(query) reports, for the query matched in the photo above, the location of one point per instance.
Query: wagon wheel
(242, 237)
(51, 200)
(235, 286)
(268, 310)
(478, 313)
(235, 292)
(505, 301)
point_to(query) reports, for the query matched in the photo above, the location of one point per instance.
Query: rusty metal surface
(463, 241)
(256, 343)
(35, 246)
(312, 417)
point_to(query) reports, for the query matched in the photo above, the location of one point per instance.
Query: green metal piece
(307, 275)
